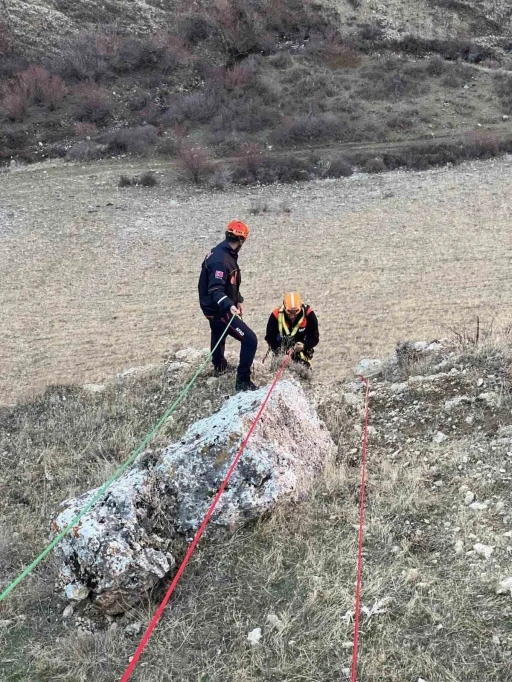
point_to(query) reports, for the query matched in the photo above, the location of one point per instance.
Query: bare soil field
(96, 279)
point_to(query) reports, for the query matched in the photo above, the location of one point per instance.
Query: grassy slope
(441, 618)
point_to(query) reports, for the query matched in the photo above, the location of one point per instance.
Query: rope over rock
(126, 543)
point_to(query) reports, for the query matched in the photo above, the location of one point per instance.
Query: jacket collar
(226, 247)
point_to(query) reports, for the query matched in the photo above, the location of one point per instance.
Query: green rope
(118, 473)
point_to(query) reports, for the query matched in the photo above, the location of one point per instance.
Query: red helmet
(238, 229)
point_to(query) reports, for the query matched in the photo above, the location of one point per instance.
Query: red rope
(361, 533)
(197, 537)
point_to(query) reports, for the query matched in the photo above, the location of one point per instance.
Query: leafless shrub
(503, 88)
(137, 140)
(311, 129)
(5, 39)
(134, 54)
(375, 165)
(336, 168)
(15, 100)
(83, 151)
(147, 179)
(197, 107)
(168, 145)
(240, 75)
(258, 206)
(195, 163)
(92, 103)
(81, 59)
(194, 28)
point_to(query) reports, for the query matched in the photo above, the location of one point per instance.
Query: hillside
(217, 85)
(39, 24)
(436, 592)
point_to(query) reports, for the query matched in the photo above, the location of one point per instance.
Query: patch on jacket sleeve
(219, 274)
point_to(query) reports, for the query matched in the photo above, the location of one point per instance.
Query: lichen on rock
(127, 542)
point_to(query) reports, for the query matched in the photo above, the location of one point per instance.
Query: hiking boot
(245, 385)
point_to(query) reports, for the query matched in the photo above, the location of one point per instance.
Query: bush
(92, 103)
(14, 138)
(195, 163)
(248, 116)
(79, 59)
(194, 28)
(436, 66)
(125, 181)
(390, 80)
(168, 146)
(197, 107)
(84, 151)
(134, 55)
(136, 140)
(337, 168)
(10, 65)
(258, 206)
(147, 179)
(375, 165)
(15, 100)
(308, 129)
(503, 88)
(266, 170)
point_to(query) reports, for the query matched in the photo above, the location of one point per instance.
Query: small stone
(134, 628)
(369, 367)
(176, 366)
(254, 636)
(478, 506)
(504, 586)
(469, 498)
(94, 388)
(459, 547)
(500, 506)
(275, 621)
(490, 399)
(76, 592)
(452, 404)
(68, 611)
(189, 355)
(440, 437)
(5, 624)
(483, 550)
(212, 382)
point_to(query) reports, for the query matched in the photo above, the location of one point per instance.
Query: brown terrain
(97, 279)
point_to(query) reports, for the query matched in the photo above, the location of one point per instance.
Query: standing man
(293, 326)
(220, 299)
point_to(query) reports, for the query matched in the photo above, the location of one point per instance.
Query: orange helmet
(237, 229)
(292, 303)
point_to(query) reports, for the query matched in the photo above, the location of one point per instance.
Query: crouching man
(293, 326)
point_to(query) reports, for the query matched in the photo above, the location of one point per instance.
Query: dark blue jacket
(219, 281)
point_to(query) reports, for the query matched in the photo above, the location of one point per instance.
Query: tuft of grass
(147, 179)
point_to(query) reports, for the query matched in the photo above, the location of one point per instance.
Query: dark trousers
(239, 331)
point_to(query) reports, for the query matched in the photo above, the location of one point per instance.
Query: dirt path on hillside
(96, 279)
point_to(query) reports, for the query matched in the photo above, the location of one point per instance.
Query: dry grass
(435, 612)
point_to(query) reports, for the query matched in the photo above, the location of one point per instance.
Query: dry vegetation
(430, 610)
(235, 79)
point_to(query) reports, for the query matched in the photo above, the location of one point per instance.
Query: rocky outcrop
(128, 541)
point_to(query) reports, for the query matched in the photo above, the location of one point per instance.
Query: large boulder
(127, 542)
